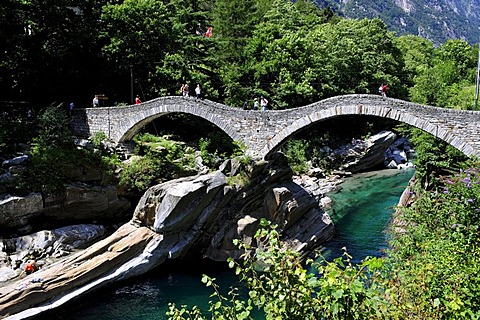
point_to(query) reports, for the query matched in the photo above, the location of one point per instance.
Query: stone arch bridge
(264, 132)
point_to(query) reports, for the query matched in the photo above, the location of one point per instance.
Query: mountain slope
(436, 20)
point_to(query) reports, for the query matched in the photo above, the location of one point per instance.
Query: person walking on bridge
(95, 101)
(383, 90)
(184, 90)
(137, 100)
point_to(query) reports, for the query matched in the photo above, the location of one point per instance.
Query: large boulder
(128, 252)
(202, 215)
(44, 246)
(83, 202)
(79, 202)
(16, 212)
(368, 155)
(15, 161)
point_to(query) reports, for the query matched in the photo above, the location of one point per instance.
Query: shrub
(98, 137)
(296, 152)
(281, 287)
(158, 159)
(436, 260)
(50, 152)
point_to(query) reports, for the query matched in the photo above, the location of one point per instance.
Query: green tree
(417, 54)
(135, 35)
(51, 151)
(451, 71)
(297, 63)
(190, 57)
(48, 48)
(12, 24)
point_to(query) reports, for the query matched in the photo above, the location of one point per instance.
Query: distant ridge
(436, 20)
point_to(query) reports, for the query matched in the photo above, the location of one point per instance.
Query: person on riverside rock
(31, 267)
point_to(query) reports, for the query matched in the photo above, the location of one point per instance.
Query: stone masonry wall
(263, 132)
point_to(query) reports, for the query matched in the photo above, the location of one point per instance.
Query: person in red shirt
(31, 267)
(137, 100)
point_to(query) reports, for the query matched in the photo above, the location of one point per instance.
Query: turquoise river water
(361, 213)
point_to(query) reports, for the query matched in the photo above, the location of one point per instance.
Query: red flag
(208, 34)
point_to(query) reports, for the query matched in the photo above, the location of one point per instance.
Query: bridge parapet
(263, 132)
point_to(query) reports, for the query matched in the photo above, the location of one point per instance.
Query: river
(361, 213)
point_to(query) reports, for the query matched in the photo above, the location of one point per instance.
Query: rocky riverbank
(188, 217)
(184, 218)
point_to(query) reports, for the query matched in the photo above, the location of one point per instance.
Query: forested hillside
(293, 53)
(436, 20)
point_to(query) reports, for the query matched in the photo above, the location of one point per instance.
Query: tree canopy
(294, 53)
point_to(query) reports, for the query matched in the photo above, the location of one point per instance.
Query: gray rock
(47, 243)
(15, 161)
(81, 201)
(84, 143)
(370, 155)
(72, 237)
(7, 274)
(6, 177)
(16, 169)
(205, 212)
(194, 216)
(17, 211)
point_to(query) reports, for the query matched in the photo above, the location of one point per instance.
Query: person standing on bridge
(263, 103)
(184, 90)
(95, 102)
(255, 103)
(198, 92)
(137, 100)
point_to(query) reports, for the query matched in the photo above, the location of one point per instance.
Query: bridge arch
(154, 109)
(122, 123)
(456, 127)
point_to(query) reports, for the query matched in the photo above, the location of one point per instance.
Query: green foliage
(296, 152)
(160, 159)
(157, 160)
(431, 271)
(433, 156)
(240, 180)
(417, 54)
(51, 151)
(53, 155)
(449, 71)
(436, 259)
(13, 131)
(292, 52)
(279, 285)
(49, 49)
(295, 61)
(98, 137)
